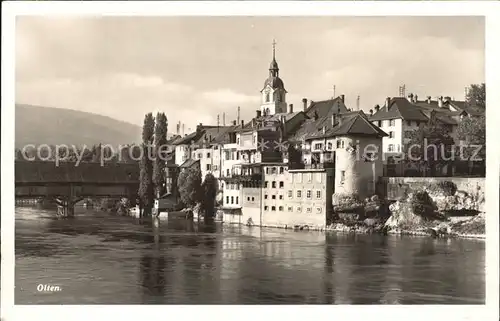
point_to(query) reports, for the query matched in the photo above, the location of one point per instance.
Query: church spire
(273, 68)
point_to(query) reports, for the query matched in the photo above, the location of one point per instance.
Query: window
(273, 170)
(392, 122)
(237, 155)
(309, 177)
(299, 194)
(273, 185)
(329, 146)
(281, 208)
(266, 208)
(200, 155)
(237, 199)
(253, 198)
(379, 123)
(318, 209)
(267, 170)
(309, 210)
(282, 169)
(265, 196)
(282, 184)
(273, 208)
(299, 209)
(281, 197)
(208, 155)
(391, 148)
(391, 135)
(215, 167)
(273, 197)
(227, 199)
(318, 146)
(238, 141)
(232, 199)
(342, 177)
(267, 97)
(248, 198)
(308, 194)
(194, 155)
(290, 194)
(208, 167)
(290, 209)
(408, 122)
(339, 143)
(318, 194)
(266, 184)
(227, 172)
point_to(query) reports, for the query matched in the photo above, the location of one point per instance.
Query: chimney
(342, 98)
(259, 114)
(183, 129)
(371, 112)
(377, 108)
(290, 109)
(429, 100)
(411, 97)
(234, 122)
(198, 127)
(238, 114)
(416, 98)
(440, 101)
(178, 128)
(242, 123)
(387, 102)
(304, 102)
(334, 120)
(447, 99)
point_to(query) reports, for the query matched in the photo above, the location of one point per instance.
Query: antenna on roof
(238, 115)
(402, 91)
(357, 103)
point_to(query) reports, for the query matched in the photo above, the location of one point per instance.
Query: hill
(47, 125)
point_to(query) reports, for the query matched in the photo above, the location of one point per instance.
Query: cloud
(229, 97)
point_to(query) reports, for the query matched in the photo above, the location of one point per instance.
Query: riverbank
(456, 227)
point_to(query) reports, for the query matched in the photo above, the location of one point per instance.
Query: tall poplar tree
(146, 190)
(160, 143)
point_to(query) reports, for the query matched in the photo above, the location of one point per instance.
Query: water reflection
(98, 258)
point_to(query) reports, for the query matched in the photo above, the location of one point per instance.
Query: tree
(189, 186)
(430, 145)
(472, 134)
(160, 139)
(209, 189)
(146, 191)
(476, 95)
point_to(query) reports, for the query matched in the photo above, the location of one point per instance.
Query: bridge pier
(66, 208)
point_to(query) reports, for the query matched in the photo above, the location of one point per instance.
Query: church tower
(273, 93)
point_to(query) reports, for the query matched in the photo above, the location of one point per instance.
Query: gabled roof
(462, 106)
(270, 118)
(326, 107)
(189, 163)
(353, 123)
(214, 135)
(399, 107)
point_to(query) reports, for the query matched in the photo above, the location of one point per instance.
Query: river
(97, 258)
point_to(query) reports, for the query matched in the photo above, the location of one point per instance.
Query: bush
(422, 205)
(448, 188)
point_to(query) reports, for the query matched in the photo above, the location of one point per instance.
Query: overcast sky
(194, 68)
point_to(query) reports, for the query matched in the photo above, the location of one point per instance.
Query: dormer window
(267, 97)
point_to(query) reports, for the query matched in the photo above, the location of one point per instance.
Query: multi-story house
(400, 116)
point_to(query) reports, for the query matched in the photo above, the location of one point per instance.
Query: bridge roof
(39, 172)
